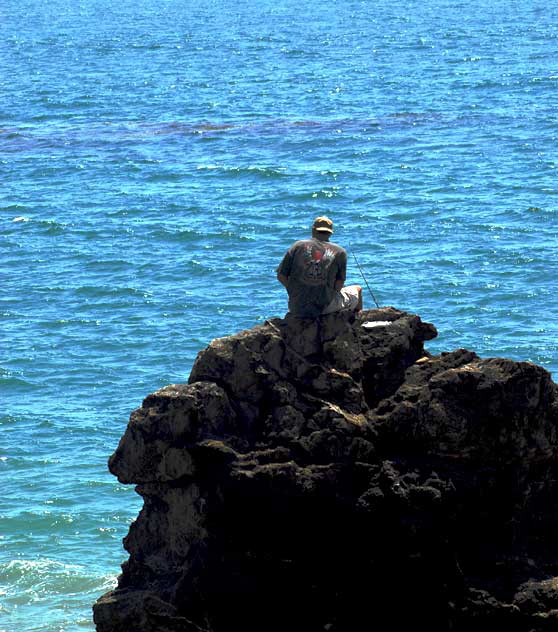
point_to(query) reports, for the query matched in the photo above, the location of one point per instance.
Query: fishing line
(362, 274)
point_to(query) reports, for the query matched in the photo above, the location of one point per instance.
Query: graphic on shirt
(316, 264)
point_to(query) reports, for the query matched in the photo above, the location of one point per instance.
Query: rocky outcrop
(329, 474)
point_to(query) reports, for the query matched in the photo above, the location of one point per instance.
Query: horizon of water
(157, 159)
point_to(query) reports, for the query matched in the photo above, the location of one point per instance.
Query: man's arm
(284, 269)
(341, 271)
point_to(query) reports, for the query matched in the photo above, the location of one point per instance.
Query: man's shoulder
(301, 243)
(338, 249)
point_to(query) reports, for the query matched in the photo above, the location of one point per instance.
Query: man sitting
(313, 271)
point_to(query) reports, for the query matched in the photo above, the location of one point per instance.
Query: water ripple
(155, 169)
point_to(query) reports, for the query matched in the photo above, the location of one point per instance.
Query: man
(313, 271)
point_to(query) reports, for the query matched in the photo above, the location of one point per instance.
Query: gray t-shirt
(312, 267)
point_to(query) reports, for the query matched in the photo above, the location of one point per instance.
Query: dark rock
(325, 475)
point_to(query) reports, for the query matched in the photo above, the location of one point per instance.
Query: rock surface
(324, 475)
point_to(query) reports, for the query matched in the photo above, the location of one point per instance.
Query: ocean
(156, 161)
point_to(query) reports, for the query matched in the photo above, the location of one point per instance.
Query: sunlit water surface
(157, 158)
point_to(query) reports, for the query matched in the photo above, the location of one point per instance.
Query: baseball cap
(323, 223)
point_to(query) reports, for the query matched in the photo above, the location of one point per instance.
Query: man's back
(312, 267)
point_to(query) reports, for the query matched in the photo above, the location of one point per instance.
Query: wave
(44, 576)
(100, 291)
(65, 322)
(184, 235)
(46, 226)
(166, 177)
(252, 170)
(12, 384)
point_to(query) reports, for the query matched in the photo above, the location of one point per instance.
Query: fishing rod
(362, 274)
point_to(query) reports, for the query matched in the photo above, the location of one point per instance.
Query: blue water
(157, 158)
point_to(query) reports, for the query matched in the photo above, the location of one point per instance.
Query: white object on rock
(370, 324)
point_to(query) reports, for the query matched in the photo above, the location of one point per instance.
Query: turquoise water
(157, 158)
